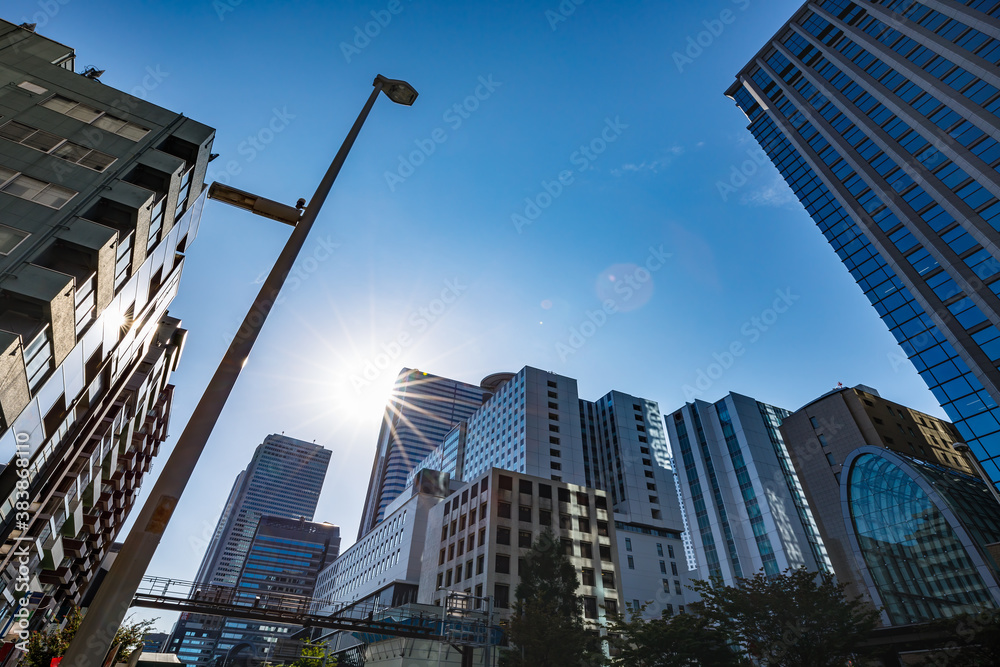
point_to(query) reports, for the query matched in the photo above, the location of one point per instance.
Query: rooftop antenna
(93, 73)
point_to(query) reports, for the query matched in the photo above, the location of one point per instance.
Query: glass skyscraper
(745, 505)
(422, 410)
(283, 481)
(882, 116)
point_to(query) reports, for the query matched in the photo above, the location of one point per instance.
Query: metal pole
(114, 597)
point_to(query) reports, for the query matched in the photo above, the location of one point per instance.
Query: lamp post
(93, 639)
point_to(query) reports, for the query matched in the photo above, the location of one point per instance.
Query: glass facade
(421, 412)
(923, 561)
(739, 484)
(883, 118)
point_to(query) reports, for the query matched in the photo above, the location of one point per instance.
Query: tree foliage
(674, 641)
(546, 629)
(44, 645)
(312, 656)
(795, 619)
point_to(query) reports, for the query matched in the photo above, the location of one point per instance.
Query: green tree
(546, 628)
(43, 645)
(312, 656)
(796, 619)
(674, 641)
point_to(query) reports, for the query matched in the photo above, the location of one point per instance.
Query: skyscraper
(747, 509)
(421, 411)
(882, 117)
(285, 557)
(283, 480)
(536, 423)
(101, 193)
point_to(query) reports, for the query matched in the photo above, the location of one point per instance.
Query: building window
(525, 486)
(524, 514)
(586, 550)
(544, 491)
(670, 550)
(503, 535)
(524, 539)
(480, 564)
(501, 596)
(54, 145)
(584, 524)
(830, 459)
(631, 563)
(628, 544)
(506, 483)
(503, 510)
(677, 589)
(32, 189)
(10, 238)
(589, 606)
(567, 546)
(608, 579)
(673, 569)
(588, 577)
(502, 564)
(95, 117)
(545, 517)
(663, 567)
(659, 549)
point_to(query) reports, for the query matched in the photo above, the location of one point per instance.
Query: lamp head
(397, 90)
(960, 447)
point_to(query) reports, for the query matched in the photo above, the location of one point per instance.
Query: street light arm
(108, 609)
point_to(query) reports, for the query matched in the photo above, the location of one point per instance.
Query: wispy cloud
(654, 165)
(776, 194)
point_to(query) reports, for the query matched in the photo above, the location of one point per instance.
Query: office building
(421, 411)
(747, 509)
(477, 538)
(535, 423)
(823, 434)
(283, 480)
(101, 194)
(882, 117)
(285, 558)
(920, 532)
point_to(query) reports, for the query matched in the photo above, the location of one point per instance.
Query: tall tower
(747, 509)
(283, 481)
(882, 117)
(421, 411)
(101, 194)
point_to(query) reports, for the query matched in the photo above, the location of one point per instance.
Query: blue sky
(636, 270)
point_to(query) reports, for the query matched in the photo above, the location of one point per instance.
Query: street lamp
(93, 639)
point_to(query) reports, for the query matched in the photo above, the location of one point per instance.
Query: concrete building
(283, 480)
(536, 423)
(423, 408)
(822, 435)
(743, 497)
(101, 194)
(384, 566)
(478, 535)
(882, 117)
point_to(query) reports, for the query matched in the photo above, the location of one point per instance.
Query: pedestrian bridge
(370, 622)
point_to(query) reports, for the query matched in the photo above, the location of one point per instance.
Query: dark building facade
(101, 194)
(882, 116)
